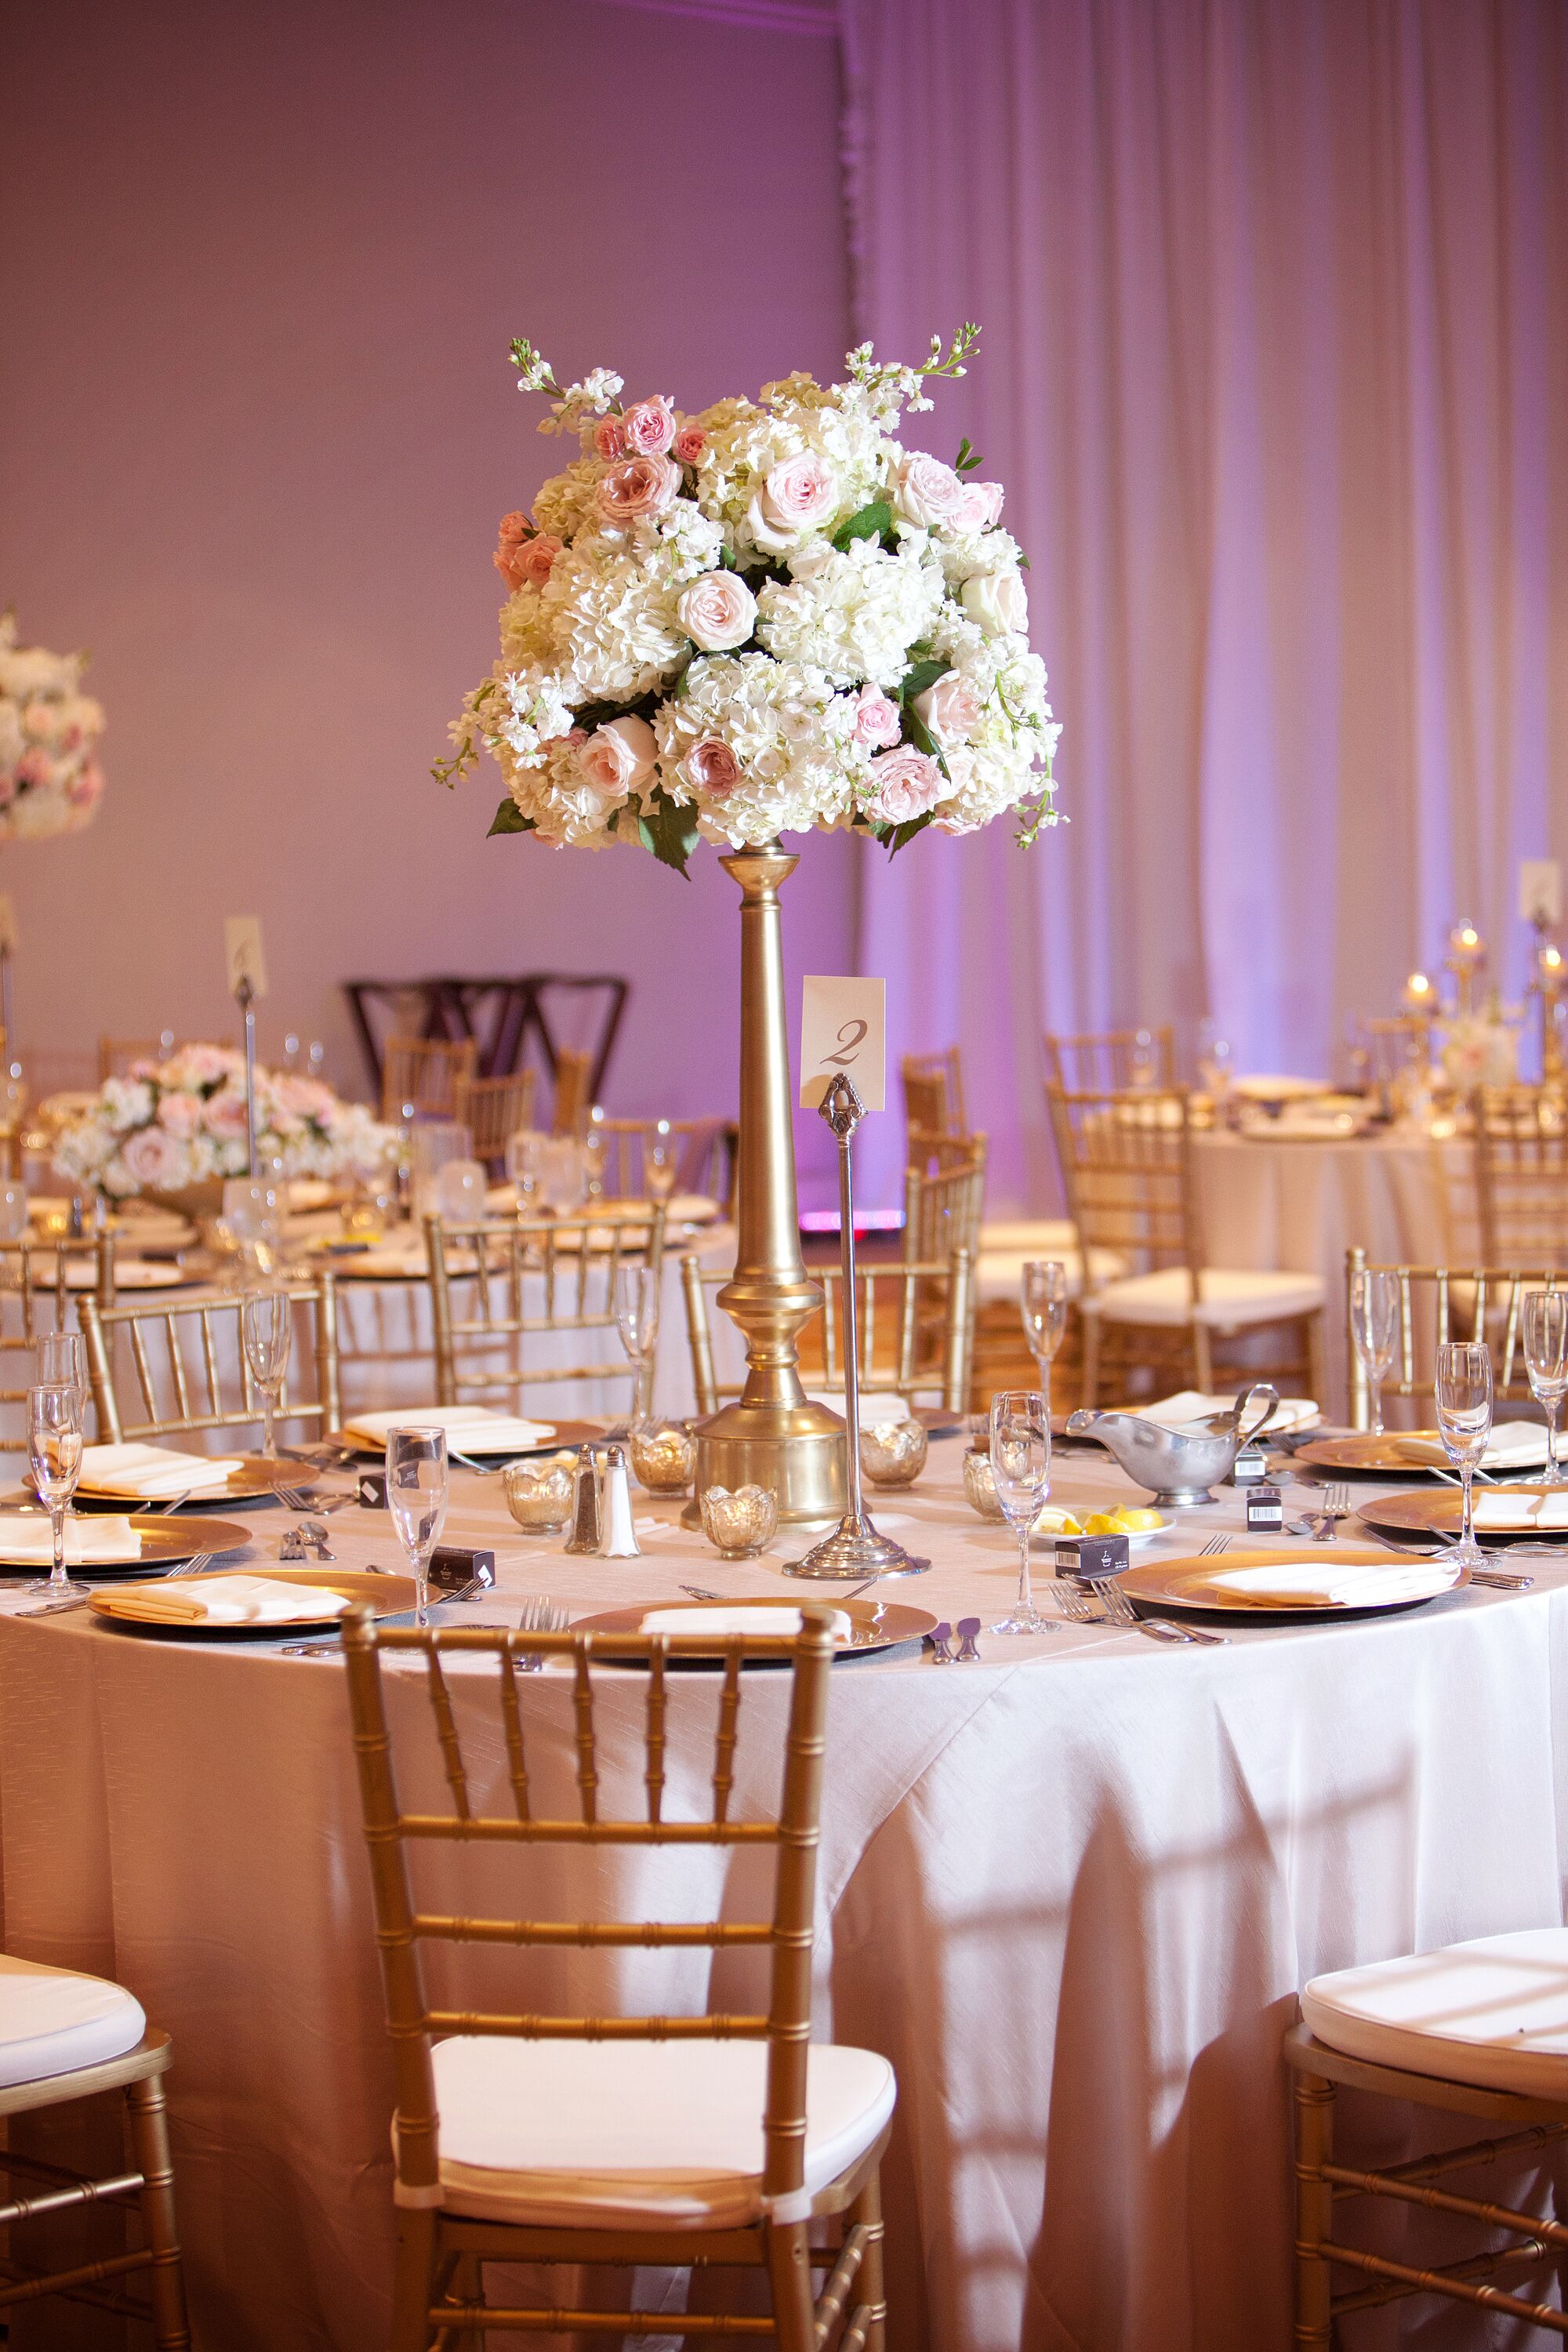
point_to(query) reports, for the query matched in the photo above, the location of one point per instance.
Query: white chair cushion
(999, 1271)
(1232, 1300)
(1493, 2013)
(1031, 1236)
(53, 2021)
(605, 2134)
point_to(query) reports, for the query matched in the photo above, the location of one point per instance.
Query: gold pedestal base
(797, 1451)
(855, 1550)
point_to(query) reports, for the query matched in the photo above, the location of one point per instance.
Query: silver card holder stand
(853, 1549)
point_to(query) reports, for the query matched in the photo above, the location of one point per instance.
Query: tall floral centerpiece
(50, 777)
(769, 617)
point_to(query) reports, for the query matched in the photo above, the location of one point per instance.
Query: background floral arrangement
(50, 777)
(168, 1125)
(764, 618)
(1480, 1049)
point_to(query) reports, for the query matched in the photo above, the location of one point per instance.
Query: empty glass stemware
(59, 1360)
(636, 1304)
(54, 1451)
(1464, 1400)
(524, 1168)
(416, 1484)
(563, 1175)
(659, 1163)
(1021, 1465)
(1043, 1308)
(1375, 1328)
(266, 1328)
(1546, 1362)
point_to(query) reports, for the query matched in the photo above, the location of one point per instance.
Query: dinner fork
(1120, 1610)
(540, 1615)
(1075, 1602)
(197, 1565)
(1336, 1506)
(1215, 1544)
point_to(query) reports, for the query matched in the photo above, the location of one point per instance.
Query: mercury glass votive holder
(664, 1456)
(980, 1486)
(893, 1453)
(739, 1523)
(540, 1493)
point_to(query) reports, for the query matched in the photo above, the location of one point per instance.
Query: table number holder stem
(245, 997)
(854, 1548)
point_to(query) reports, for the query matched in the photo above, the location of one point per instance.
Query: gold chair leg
(166, 2282)
(789, 2276)
(1314, 2210)
(1091, 1362)
(1315, 1353)
(414, 2281)
(468, 2285)
(870, 2292)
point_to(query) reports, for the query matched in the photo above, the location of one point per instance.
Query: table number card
(1540, 891)
(242, 948)
(844, 1031)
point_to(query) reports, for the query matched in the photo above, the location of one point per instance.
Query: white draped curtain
(1275, 296)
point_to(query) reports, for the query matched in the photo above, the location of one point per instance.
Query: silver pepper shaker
(617, 1536)
(586, 1514)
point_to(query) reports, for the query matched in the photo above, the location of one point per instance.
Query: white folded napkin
(228, 1600)
(1514, 1444)
(1507, 1510)
(1316, 1584)
(784, 1622)
(107, 1541)
(154, 1470)
(471, 1428)
(1191, 1405)
(874, 1409)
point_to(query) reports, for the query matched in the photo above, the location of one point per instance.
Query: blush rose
(951, 706)
(799, 494)
(718, 612)
(642, 486)
(908, 782)
(711, 767)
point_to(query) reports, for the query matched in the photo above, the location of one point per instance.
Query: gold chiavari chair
(1127, 1164)
(573, 1091)
(420, 1075)
(493, 1110)
(916, 1331)
(944, 1196)
(35, 1297)
(525, 2137)
(1438, 1303)
(1111, 1061)
(933, 1094)
(1522, 1174)
(190, 1368)
(700, 1157)
(65, 2037)
(569, 1263)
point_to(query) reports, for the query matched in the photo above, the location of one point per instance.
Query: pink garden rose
(528, 561)
(649, 428)
(618, 757)
(799, 494)
(181, 1114)
(998, 600)
(308, 1097)
(225, 1115)
(642, 486)
(952, 708)
(689, 444)
(982, 508)
(907, 784)
(34, 767)
(513, 527)
(610, 439)
(878, 725)
(711, 766)
(928, 492)
(154, 1157)
(718, 612)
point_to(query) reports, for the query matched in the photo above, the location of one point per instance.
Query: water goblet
(636, 1304)
(1043, 1309)
(266, 1328)
(1021, 1466)
(416, 1486)
(562, 1173)
(1464, 1400)
(524, 1168)
(54, 1452)
(1374, 1328)
(1546, 1363)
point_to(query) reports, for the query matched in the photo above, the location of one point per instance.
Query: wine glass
(416, 1498)
(1144, 1061)
(54, 1450)
(1213, 1058)
(636, 1304)
(562, 1173)
(1043, 1307)
(1375, 1328)
(524, 1168)
(59, 1361)
(1546, 1362)
(659, 1163)
(1021, 1465)
(266, 1327)
(1463, 1398)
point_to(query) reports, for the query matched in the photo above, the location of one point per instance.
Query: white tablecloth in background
(1071, 1893)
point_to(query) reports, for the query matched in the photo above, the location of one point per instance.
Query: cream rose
(982, 508)
(799, 494)
(998, 600)
(643, 486)
(952, 708)
(711, 767)
(617, 757)
(907, 784)
(718, 612)
(649, 428)
(928, 492)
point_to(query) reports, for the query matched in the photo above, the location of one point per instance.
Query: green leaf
(509, 818)
(916, 732)
(873, 521)
(966, 461)
(923, 674)
(669, 829)
(900, 835)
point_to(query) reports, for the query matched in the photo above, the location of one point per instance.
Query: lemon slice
(1054, 1521)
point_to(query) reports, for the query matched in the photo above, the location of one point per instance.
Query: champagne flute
(636, 1304)
(1464, 1399)
(266, 1327)
(416, 1482)
(1375, 1328)
(659, 1160)
(1546, 1362)
(1021, 1466)
(59, 1361)
(524, 1168)
(1043, 1307)
(54, 1450)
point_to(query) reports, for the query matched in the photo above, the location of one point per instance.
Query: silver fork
(1336, 1506)
(197, 1565)
(1121, 1611)
(1214, 1546)
(540, 1615)
(1075, 1602)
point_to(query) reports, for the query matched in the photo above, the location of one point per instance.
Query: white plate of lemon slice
(1139, 1527)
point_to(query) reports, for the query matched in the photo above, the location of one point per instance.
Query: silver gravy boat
(1177, 1466)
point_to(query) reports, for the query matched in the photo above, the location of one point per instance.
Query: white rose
(998, 602)
(800, 494)
(617, 757)
(930, 493)
(952, 707)
(718, 612)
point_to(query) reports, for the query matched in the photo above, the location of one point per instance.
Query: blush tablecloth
(1070, 1892)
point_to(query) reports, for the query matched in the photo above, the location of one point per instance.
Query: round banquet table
(1071, 1892)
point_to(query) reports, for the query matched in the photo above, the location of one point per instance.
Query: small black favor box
(1265, 1510)
(454, 1565)
(1092, 1557)
(373, 1489)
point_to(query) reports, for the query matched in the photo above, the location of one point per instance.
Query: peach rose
(618, 757)
(711, 766)
(154, 1157)
(689, 444)
(718, 612)
(907, 784)
(998, 600)
(610, 439)
(878, 725)
(527, 563)
(928, 492)
(952, 708)
(799, 494)
(643, 486)
(982, 508)
(649, 428)
(513, 527)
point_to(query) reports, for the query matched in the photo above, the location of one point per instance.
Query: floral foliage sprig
(767, 617)
(50, 781)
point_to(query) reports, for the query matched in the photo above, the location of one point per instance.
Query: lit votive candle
(664, 1456)
(539, 1494)
(1420, 996)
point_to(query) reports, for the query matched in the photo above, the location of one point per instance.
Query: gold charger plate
(389, 1596)
(164, 1542)
(1374, 1456)
(873, 1625)
(256, 1477)
(1175, 1583)
(567, 1433)
(1443, 1510)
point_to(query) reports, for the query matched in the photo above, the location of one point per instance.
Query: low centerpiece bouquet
(50, 777)
(172, 1126)
(767, 617)
(1480, 1049)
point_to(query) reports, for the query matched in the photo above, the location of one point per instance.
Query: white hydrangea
(791, 740)
(532, 710)
(568, 502)
(855, 613)
(611, 619)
